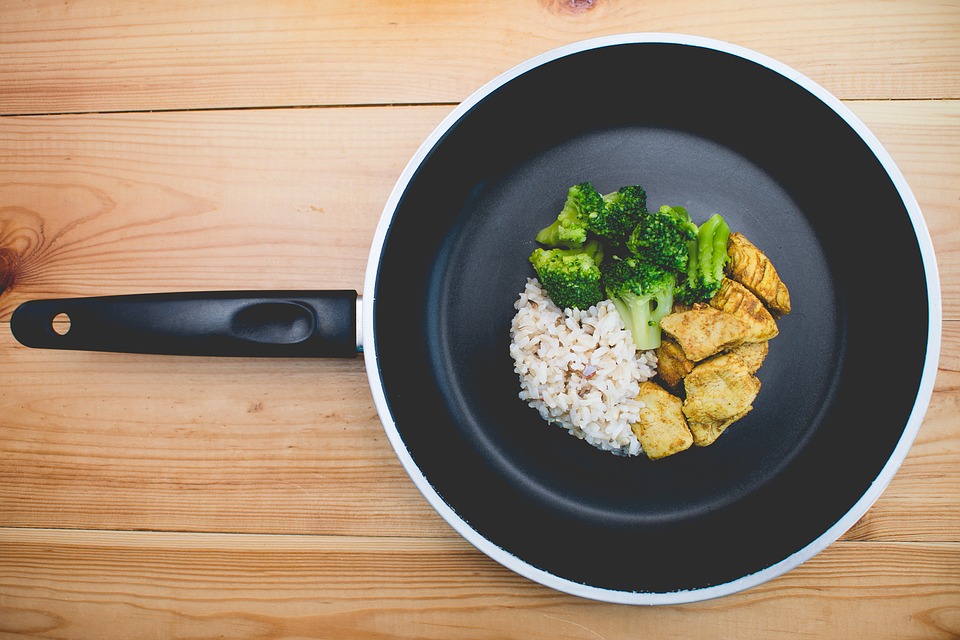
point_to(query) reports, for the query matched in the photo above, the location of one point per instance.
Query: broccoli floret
(707, 258)
(643, 294)
(594, 249)
(570, 228)
(663, 237)
(570, 276)
(622, 210)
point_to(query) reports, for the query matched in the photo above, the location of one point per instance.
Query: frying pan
(699, 123)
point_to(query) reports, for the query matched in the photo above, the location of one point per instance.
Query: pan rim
(858, 509)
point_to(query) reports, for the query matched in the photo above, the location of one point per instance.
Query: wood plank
(258, 445)
(120, 585)
(97, 56)
(950, 357)
(203, 200)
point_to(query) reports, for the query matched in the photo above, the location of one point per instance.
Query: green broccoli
(707, 258)
(622, 210)
(642, 292)
(594, 249)
(570, 276)
(663, 237)
(570, 228)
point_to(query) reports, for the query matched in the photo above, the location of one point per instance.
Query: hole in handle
(61, 324)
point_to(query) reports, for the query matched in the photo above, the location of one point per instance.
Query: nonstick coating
(713, 132)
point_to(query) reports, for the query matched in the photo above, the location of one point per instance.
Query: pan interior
(714, 133)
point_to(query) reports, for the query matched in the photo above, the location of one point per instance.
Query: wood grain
(97, 55)
(134, 442)
(116, 585)
(200, 200)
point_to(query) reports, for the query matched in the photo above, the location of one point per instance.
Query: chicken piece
(752, 354)
(719, 392)
(662, 429)
(735, 298)
(672, 364)
(751, 268)
(706, 433)
(703, 331)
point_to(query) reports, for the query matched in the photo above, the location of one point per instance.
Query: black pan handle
(219, 323)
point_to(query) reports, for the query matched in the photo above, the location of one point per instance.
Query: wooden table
(181, 145)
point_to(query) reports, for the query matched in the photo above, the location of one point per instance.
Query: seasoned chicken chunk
(719, 392)
(706, 433)
(735, 298)
(662, 429)
(752, 354)
(672, 364)
(751, 268)
(703, 331)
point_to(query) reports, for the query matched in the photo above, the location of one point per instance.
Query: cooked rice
(580, 369)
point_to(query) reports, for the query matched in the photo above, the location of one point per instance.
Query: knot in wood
(9, 267)
(570, 7)
(21, 240)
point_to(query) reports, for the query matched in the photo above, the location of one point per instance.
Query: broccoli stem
(693, 259)
(642, 316)
(705, 242)
(706, 260)
(551, 235)
(712, 242)
(636, 317)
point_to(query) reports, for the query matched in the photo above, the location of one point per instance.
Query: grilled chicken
(719, 392)
(703, 331)
(735, 298)
(752, 354)
(672, 364)
(706, 433)
(751, 268)
(662, 429)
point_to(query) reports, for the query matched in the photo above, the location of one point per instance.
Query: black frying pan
(701, 124)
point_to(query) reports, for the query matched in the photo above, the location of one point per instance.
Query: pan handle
(210, 323)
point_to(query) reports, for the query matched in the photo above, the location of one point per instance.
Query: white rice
(580, 369)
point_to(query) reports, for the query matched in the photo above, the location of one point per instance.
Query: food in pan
(703, 331)
(707, 258)
(611, 218)
(751, 268)
(580, 369)
(573, 275)
(643, 331)
(642, 293)
(735, 299)
(662, 428)
(718, 393)
(672, 363)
